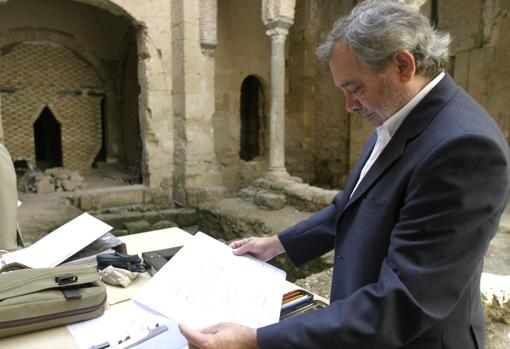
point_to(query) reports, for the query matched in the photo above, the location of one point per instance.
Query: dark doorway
(48, 140)
(250, 118)
(101, 154)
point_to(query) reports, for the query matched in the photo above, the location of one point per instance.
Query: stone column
(278, 16)
(277, 113)
(194, 38)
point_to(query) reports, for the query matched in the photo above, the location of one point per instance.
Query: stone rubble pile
(274, 195)
(53, 179)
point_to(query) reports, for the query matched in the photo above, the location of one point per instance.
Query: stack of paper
(205, 283)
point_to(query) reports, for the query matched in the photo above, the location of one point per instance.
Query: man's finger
(238, 243)
(194, 337)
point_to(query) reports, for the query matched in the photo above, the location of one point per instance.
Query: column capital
(277, 34)
(278, 13)
(208, 26)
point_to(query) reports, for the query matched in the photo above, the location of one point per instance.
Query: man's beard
(394, 98)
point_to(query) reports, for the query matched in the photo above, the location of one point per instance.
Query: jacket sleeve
(312, 237)
(451, 210)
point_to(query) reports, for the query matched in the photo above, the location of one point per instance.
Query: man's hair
(377, 29)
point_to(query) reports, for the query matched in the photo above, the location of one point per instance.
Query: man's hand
(221, 336)
(263, 248)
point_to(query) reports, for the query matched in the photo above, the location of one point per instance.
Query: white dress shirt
(388, 129)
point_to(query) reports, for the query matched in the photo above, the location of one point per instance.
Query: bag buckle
(72, 292)
(66, 279)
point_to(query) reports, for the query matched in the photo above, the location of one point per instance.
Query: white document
(125, 324)
(205, 283)
(60, 244)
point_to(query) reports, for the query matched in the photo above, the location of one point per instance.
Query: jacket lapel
(412, 126)
(353, 178)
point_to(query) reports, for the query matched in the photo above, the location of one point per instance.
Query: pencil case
(33, 299)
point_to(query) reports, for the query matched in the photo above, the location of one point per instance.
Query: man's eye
(356, 90)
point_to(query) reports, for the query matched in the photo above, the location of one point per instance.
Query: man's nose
(351, 103)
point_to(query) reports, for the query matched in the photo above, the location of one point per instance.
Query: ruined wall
(100, 31)
(300, 93)
(480, 50)
(332, 122)
(243, 49)
(154, 50)
(38, 75)
(481, 33)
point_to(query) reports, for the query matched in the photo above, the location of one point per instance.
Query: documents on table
(60, 244)
(128, 325)
(205, 283)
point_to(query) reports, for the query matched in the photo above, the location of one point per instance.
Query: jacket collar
(413, 125)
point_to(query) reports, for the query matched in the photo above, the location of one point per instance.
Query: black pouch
(120, 260)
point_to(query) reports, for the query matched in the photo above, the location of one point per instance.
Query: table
(59, 337)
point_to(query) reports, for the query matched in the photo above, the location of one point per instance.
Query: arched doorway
(251, 90)
(48, 140)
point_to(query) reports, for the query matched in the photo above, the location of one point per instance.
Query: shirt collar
(394, 122)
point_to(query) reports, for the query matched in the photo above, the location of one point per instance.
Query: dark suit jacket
(409, 244)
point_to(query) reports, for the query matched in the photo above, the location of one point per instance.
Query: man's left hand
(221, 336)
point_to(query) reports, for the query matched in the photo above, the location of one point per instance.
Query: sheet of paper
(60, 244)
(128, 320)
(205, 283)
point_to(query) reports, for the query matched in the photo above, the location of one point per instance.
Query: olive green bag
(33, 299)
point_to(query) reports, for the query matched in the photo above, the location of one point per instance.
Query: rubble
(53, 179)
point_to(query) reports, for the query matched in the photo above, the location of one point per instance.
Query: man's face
(375, 96)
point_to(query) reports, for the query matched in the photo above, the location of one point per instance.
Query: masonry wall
(40, 75)
(334, 147)
(481, 33)
(243, 49)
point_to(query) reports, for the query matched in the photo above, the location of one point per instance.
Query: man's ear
(405, 64)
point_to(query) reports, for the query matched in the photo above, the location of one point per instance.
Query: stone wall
(243, 49)
(332, 123)
(129, 45)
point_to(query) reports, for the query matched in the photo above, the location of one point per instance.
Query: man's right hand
(263, 248)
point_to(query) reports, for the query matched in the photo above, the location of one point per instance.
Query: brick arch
(18, 36)
(50, 75)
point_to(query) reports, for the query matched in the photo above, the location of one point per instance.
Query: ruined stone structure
(203, 96)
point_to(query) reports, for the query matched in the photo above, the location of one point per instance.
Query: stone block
(198, 196)
(137, 227)
(247, 194)
(164, 224)
(44, 185)
(70, 185)
(270, 200)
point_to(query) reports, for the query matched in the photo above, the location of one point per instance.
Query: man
(416, 217)
(8, 201)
